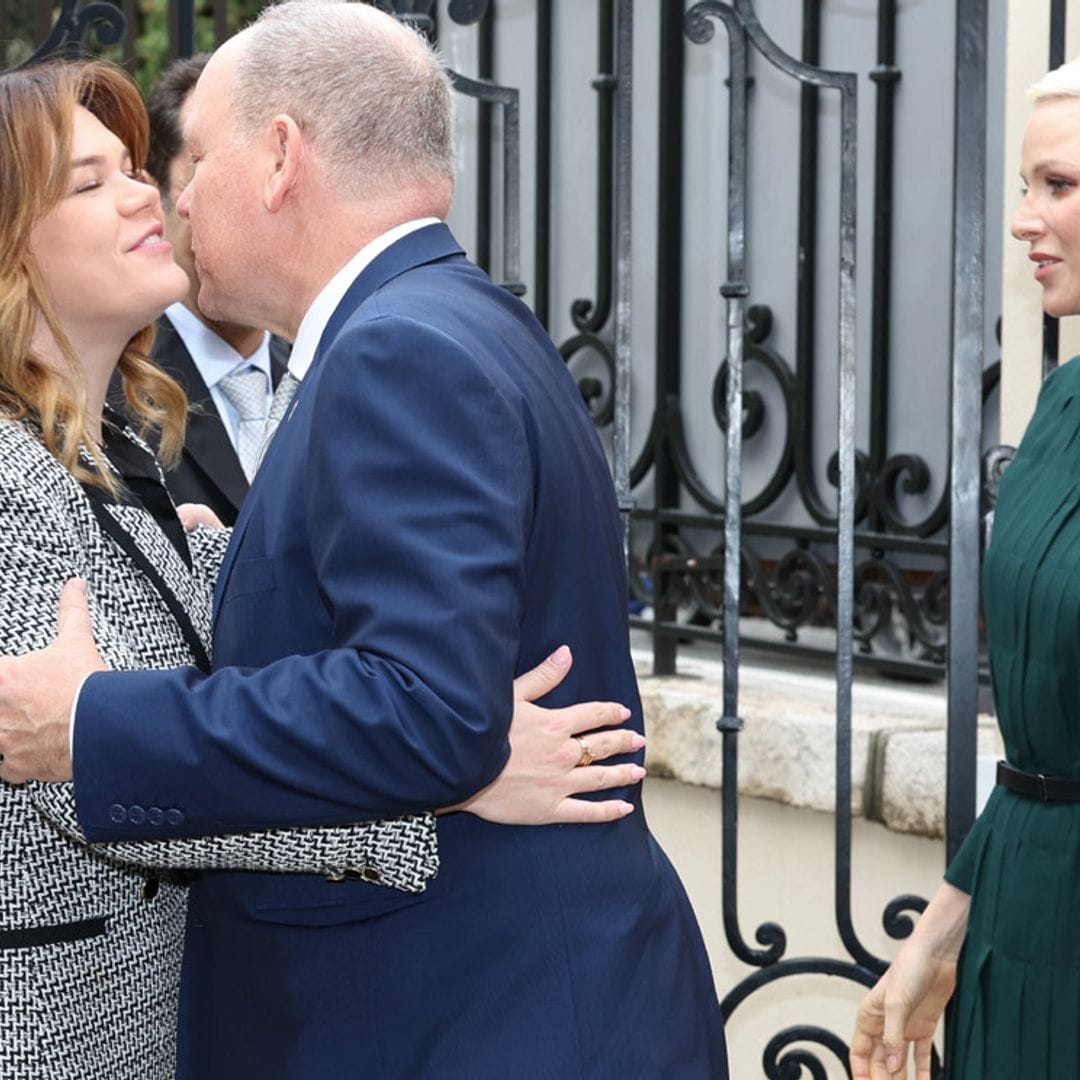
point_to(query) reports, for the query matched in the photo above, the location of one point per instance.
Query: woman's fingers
(543, 678)
(603, 777)
(603, 744)
(586, 812)
(590, 715)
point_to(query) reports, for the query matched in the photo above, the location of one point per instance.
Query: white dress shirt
(215, 358)
(333, 292)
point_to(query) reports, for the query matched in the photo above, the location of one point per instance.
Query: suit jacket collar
(426, 245)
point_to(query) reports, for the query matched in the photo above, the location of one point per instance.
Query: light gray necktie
(283, 395)
(245, 390)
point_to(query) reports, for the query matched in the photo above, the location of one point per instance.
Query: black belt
(1036, 785)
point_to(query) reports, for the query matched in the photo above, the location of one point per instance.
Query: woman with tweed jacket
(91, 937)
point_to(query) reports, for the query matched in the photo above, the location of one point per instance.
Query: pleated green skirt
(1016, 1013)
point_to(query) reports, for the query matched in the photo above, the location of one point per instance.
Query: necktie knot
(245, 391)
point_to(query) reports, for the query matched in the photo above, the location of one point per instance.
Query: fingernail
(78, 584)
(891, 1064)
(625, 808)
(561, 656)
(637, 741)
(637, 772)
(624, 713)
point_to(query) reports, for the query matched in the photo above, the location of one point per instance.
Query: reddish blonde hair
(37, 106)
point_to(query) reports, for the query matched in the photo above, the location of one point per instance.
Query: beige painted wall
(1021, 346)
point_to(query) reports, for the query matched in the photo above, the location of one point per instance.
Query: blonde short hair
(1062, 82)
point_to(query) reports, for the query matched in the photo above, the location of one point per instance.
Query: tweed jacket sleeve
(399, 852)
(48, 534)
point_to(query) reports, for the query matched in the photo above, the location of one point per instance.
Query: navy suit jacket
(434, 516)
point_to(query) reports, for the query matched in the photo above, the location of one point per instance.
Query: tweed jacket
(91, 936)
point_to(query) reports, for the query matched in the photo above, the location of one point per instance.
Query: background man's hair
(163, 105)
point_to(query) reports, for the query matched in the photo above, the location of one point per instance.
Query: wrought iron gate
(844, 565)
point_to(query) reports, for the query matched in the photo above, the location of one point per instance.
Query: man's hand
(542, 776)
(906, 1004)
(37, 692)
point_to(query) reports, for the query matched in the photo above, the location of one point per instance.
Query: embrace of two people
(382, 877)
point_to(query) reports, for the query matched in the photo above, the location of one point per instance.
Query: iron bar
(185, 28)
(542, 177)
(806, 272)
(885, 76)
(623, 208)
(589, 316)
(669, 226)
(485, 70)
(968, 307)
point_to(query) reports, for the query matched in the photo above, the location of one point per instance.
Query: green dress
(1017, 1005)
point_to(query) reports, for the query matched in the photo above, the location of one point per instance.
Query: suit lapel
(429, 244)
(426, 245)
(207, 442)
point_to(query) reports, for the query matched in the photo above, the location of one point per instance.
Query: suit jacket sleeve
(42, 548)
(416, 506)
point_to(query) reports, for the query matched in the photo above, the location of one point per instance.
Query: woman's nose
(139, 193)
(1026, 224)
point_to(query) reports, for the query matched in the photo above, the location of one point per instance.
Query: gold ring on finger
(586, 754)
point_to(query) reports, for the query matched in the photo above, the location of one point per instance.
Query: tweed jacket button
(370, 874)
(174, 816)
(136, 815)
(155, 815)
(118, 813)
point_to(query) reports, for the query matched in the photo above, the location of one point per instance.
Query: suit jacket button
(370, 874)
(150, 888)
(155, 815)
(174, 816)
(136, 815)
(118, 813)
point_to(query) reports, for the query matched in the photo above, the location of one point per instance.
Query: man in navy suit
(435, 515)
(199, 352)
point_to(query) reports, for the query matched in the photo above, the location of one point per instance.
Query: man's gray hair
(1062, 82)
(371, 94)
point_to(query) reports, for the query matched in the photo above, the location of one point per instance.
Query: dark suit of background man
(196, 351)
(435, 515)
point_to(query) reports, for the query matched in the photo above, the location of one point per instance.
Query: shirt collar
(213, 356)
(333, 292)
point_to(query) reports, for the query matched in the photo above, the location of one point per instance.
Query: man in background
(228, 371)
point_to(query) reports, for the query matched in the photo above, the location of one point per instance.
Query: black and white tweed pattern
(104, 1007)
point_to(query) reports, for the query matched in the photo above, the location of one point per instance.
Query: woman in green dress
(1004, 928)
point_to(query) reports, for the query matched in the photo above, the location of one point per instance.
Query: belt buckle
(1042, 788)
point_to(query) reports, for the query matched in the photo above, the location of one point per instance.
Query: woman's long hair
(37, 106)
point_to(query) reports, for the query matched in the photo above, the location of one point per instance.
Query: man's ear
(285, 151)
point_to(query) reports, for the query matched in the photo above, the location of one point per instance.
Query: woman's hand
(192, 515)
(907, 1002)
(540, 780)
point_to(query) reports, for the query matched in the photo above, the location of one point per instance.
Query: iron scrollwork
(858, 599)
(421, 13)
(74, 24)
